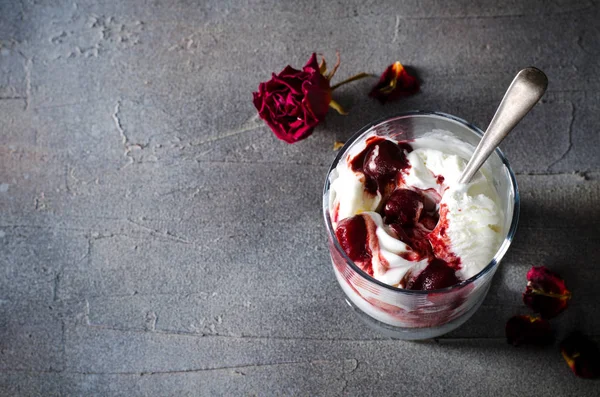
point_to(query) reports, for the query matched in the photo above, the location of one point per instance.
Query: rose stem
(351, 79)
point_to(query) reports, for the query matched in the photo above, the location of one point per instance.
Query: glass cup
(409, 314)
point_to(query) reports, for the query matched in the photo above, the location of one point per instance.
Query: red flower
(293, 102)
(528, 330)
(546, 292)
(582, 355)
(395, 82)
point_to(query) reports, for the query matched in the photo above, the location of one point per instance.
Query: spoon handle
(523, 93)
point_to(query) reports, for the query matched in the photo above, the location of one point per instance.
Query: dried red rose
(528, 330)
(293, 102)
(546, 292)
(582, 355)
(395, 82)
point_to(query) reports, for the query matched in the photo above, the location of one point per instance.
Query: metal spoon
(524, 92)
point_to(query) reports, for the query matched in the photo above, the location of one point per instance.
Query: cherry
(352, 235)
(380, 162)
(404, 207)
(384, 160)
(436, 275)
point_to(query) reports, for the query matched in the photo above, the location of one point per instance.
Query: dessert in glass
(412, 248)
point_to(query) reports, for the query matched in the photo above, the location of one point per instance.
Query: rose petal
(293, 82)
(528, 330)
(312, 66)
(582, 355)
(546, 292)
(317, 98)
(395, 82)
(257, 99)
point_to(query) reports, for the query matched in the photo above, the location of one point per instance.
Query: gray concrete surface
(156, 239)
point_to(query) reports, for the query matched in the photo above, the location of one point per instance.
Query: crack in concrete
(83, 318)
(125, 141)
(396, 29)
(563, 11)
(165, 235)
(117, 121)
(12, 98)
(185, 371)
(124, 138)
(62, 105)
(570, 137)
(39, 202)
(88, 252)
(193, 190)
(283, 163)
(28, 65)
(580, 44)
(154, 232)
(188, 334)
(41, 227)
(579, 174)
(67, 183)
(56, 285)
(63, 341)
(346, 371)
(150, 321)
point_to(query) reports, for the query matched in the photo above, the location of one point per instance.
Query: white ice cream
(349, 186)
(474, 218)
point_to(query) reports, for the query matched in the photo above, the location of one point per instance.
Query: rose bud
(528, 330)
(546, 292)
(582, 355)
(293, 102)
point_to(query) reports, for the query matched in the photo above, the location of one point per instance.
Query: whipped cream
(470, 226)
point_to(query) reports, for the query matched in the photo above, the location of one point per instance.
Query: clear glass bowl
(408, 314)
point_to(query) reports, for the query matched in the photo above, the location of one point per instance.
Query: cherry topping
(404, 207)
(380, 162)
(429, 220)
(352, 235)
(384, 161)
(413, 215)
(416, 239)
(436, 275)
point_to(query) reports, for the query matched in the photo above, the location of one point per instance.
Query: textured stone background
(156, 239)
